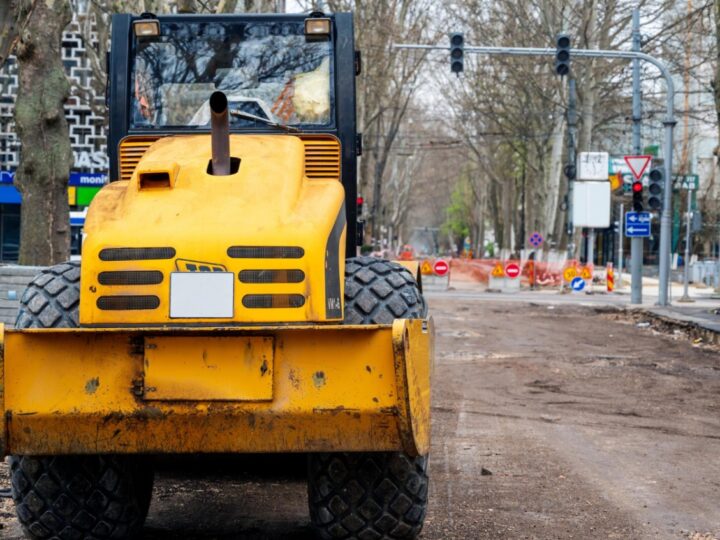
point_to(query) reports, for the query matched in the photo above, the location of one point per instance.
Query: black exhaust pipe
(220, 134)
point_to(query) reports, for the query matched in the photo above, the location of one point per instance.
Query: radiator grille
(272, 276)
(252, 301)
(131, 150)
(322, 157)
(136, 254)
(139, 277)
(265, 252)
(130, 303)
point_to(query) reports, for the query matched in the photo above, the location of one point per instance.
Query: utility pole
(636, 244)
(688, 239)
(571, 166)
(621, 224)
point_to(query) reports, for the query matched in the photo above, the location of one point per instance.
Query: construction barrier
(533, 274)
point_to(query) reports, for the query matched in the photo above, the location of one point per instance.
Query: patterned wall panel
(87, 129)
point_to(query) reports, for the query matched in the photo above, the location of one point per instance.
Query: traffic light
(457, 52)
(656, 187)
(562, 54)
(637, 192)
(360, 202)
(570, 171)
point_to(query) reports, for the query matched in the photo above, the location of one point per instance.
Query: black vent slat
(265, 252)
(272, 276)
(136, 254)
(134, 277)
(127, 303)
(263, 301)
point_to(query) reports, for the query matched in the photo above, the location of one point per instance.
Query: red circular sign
(512, 270)
(441, 267)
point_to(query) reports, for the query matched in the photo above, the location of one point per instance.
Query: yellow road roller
(219, 306)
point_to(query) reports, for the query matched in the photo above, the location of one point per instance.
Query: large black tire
(89, 497)
(367, 495)
(378, 291)
(81, 497)
(371, 495)
(52, 299)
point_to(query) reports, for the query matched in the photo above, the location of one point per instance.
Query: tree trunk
(46, 156)
(8, 29)
(555, 171)
(716, 85)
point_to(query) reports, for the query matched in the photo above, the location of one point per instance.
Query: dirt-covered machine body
(214, 309)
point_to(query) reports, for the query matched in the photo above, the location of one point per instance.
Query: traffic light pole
(686, 263)
(636, 244)
(669, 123)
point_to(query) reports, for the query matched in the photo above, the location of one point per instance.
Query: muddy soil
(549, 422)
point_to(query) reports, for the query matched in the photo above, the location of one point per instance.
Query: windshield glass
(267, 69)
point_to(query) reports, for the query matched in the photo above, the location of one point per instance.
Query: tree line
(478, 156)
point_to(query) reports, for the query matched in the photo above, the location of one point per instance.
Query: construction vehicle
(219, 307)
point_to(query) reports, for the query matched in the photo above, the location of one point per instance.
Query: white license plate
(201, 295)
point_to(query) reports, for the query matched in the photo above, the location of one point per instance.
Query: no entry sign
(441, 267)
(512, 270)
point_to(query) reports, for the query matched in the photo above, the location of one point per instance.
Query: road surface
(549, 422)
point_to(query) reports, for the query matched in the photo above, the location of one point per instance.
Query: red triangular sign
(638, 165)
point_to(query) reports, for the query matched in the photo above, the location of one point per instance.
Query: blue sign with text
(77, 179)
(637, 224)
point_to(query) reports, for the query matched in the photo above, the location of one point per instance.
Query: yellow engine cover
(177, 245)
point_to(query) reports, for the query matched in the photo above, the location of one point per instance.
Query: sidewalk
(702, 316)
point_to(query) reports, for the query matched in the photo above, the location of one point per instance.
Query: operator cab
(289, 72)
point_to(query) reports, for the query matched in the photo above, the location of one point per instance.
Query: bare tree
(387, 83)
(46, 156)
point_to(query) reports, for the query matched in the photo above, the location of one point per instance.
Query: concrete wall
(13, 280)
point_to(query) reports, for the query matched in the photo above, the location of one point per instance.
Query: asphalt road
(549, 422)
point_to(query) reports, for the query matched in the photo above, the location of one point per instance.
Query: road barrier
(532, 274)
(610, 277)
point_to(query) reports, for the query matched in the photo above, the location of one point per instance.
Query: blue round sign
(577, 284)
(536, 239)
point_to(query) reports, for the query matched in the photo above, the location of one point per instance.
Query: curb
(694, 327)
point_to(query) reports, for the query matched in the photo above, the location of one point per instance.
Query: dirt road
(550, 422)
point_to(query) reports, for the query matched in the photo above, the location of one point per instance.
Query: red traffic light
(637, 187)
(360, 200)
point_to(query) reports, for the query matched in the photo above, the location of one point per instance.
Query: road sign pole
(571, 163)
(621, 239)
(636, 244)
(686, 264)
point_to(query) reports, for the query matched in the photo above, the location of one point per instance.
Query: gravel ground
(549, 422)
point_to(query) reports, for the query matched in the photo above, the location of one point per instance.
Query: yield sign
(638, 165)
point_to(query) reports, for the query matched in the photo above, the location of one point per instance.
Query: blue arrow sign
(637, 224)
(577, 284)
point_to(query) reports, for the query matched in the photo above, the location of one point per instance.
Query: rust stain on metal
(319, 379)
(336, 410)
(92, 385)
(294, 379)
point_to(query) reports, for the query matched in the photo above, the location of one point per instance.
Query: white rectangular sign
(201, 295)
(593, 166)
(591, 204)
